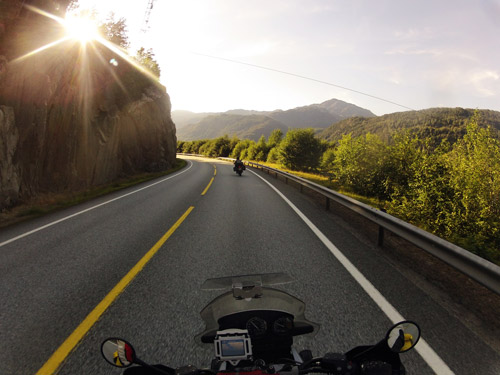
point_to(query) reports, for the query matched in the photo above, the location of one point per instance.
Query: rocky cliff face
(70, 120)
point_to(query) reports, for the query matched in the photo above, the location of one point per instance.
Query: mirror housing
(403, 336)
(118, 352)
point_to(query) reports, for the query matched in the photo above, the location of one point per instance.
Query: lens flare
(81, 28)
(85, 30)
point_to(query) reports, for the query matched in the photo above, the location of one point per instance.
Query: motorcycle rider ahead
(238, 166)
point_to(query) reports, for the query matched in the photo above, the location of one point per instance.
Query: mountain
(439, 123)
(344, 109)
(241, 126)
(183, 118)
(246, 112)
(306, 117)
(190, 125)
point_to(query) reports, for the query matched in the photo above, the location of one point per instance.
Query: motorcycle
(252, 327)
(239, 168)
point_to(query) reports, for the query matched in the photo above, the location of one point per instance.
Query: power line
(303, 77)
(147, 14)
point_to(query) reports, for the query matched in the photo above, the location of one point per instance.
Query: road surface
(71, 279)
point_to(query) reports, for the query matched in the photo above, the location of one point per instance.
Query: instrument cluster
(260, 323)
(258, 326)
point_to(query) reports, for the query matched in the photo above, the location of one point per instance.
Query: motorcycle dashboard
(261, 324)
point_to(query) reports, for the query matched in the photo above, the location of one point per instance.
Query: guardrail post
(380, 241)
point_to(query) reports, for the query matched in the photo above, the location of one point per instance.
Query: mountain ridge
(192, 125)
(439, 123)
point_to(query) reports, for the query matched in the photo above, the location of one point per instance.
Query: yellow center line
(51, 366)
(212, 180)
(208, 186)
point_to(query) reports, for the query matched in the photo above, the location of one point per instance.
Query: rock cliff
(70, 119)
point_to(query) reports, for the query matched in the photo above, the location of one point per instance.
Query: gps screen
(233, 348)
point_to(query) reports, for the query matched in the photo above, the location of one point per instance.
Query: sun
(83, 29)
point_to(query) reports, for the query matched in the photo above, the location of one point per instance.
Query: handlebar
(234, 356)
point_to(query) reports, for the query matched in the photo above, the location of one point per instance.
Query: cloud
(484, 75)
(412, 51)
(484, 82)
(416, 34)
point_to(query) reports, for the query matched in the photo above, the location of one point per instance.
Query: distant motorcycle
(239, 167)
(252, 327)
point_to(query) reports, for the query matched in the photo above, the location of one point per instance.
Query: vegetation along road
(131, 265)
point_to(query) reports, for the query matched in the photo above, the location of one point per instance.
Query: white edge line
(91, 208)
(425, 351)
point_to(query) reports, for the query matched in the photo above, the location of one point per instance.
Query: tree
(300, 150)
(404, 156)
(249, 152)
(474, 165)
(146, 59)
(358, 164)
(426, 199)
(115, 31)
(180, 146)
(261, 149)
(275, 138)
(193, 147)
(217, 147)
(273, 155)
(239, 148)
(328, 162)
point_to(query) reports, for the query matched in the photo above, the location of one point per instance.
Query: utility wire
(303, 77)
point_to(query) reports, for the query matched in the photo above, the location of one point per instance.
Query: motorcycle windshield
(250, 293)
(265, 279)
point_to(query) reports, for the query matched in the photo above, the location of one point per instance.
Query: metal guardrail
(477, 268)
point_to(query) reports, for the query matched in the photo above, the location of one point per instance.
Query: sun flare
(82, 29)
(85, 30)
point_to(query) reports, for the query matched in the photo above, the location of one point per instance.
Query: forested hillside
(183, 118)
(245, 127)
(437, 123)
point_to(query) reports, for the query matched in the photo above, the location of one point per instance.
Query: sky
(385, 55)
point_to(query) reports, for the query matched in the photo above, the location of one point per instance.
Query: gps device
(233, 345)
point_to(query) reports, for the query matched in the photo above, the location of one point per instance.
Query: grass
(50, 202)
(328, 183)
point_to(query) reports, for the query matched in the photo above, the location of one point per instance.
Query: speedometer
(256, 326)
(282, 325)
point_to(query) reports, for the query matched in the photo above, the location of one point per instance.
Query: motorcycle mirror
(118, 352)
(403, 336)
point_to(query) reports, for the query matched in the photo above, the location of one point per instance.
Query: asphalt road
(53, 278)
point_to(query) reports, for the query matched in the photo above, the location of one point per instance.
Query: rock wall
(69, 119)
(9, 171)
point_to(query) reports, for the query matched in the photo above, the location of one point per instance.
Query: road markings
(208, 186)
(211, 180)
(425, 351)
(51, 366)
(91, 208)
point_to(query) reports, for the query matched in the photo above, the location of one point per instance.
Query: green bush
(300, 150)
